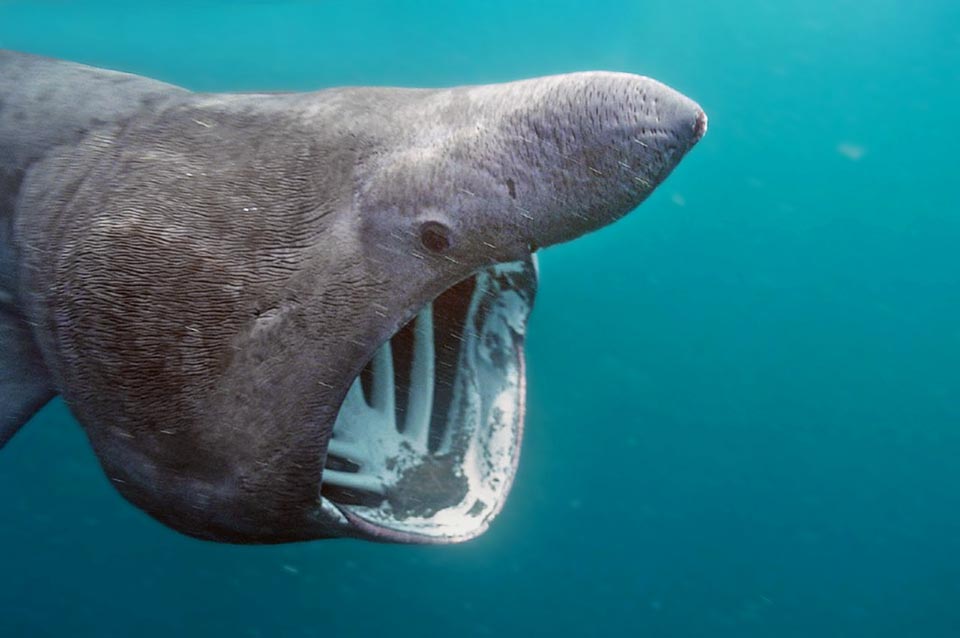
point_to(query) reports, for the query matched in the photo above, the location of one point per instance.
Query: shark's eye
(435, 237)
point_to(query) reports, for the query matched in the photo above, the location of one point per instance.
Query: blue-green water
(744, 399)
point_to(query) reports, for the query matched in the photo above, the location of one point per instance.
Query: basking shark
(282, 317)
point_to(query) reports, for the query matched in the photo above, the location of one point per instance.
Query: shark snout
(595, 145)
(660, 119)
(513, 167)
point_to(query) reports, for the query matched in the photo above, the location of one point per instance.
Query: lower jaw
(426, 443)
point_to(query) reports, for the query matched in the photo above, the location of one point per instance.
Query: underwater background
(744, 399)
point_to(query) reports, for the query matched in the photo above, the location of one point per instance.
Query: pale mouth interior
(426, 442)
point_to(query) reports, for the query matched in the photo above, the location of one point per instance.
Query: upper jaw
(425, 445)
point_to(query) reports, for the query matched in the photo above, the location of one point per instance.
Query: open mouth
(426, 442)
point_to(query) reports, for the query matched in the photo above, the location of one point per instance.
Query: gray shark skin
(282, 317)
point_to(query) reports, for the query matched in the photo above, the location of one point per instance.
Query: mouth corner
(427, 440)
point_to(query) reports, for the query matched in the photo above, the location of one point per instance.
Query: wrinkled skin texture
(204, 275)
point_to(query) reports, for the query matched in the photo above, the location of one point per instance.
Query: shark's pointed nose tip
(699, 125)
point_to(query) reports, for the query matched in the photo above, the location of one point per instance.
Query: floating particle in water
(851, 151)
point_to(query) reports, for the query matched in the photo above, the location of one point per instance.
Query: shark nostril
(511, 188)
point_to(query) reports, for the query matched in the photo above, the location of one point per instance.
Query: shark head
(287, 317)
(472, 183)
